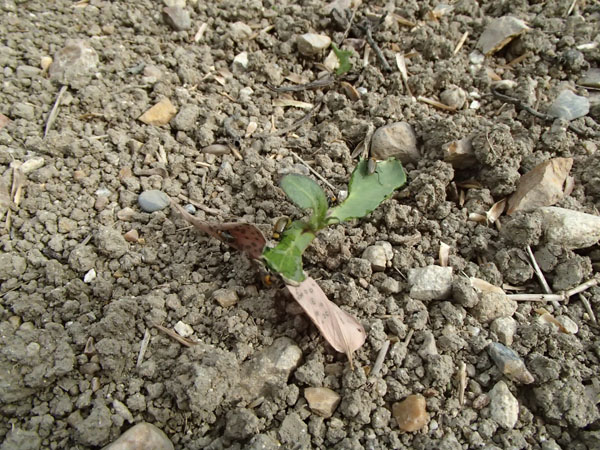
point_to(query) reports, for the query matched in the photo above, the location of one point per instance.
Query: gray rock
(94, 430)
(464, 293)
(504, 407)
(377, 256)
(270, 368)
(566, 400)
(454, 97)
(225, 297)
(153, 200)
(591, 78)
(430, 283)
(240, 31)
(428, 346)
(294, 432)
(396, 139)
(177, 18)
(143, 436)
(11, 266)
(240, 62)
(505, 328)
(185, 120)
(23, 111)
(77, 59)
(20, 439)
(493, 305)
(110, 242)
(569, 229)
(510, 363)
(310, 43)
(569, 106)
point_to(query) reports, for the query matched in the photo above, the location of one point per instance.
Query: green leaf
(343, 57)
(306, 193)
(367, 190)
(286, 257)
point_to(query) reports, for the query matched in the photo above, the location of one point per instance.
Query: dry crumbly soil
(69, 375)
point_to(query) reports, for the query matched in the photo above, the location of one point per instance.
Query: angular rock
(505, 328)
(240, 31)
(504, 407)
(321, 400)
(271, 368)
(310, 43)
(183, 329)
(159, 114)
(396, 139)
(569, 106)
(510, 363)
(591, 78)
(225, 297)
(430, 283)
(460, 153)
(110, 242)
(569, 229)
(153, 200)
(500, 32)
(94, 430)
(240, 61)
(16, 438)
(464, 293)
(492, 305)
(177, 18)
(76, 59)
(132, 236)
(143, 436)
(376, 255)
(293, 432)
(454, 97)
(541, 186)
(411, 413)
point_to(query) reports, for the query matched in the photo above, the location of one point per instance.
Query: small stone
(110, 242)
(569, 106)
(240, 61)
(183, 329)
(396, 139)
(186, 118)
(493, 305)
(132, 236)
(390, 286)
(500, 32)
(510, 363)
(75, 60)
(143, 436)
(190, 208)
(32, 164)
(569, 229)
(177, 18)
(178, 3)
(454, 97)
(460, 153)
(45, 62)
(505, 328)
(411, 413)
(591, 78)
(126, 214)
(568, 324)
(122, 410)
(464, 293)
(153, 200)
(376, 255)
(225, 297)
(240, 31)
(430, 283)
(23, 111)
(89, 276)
(428, 347)
(81, 259)
(310, 43)
(541, 186)
(321, 400)
(504, 407)
(159, 114)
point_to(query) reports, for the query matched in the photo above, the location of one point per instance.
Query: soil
(77, 299)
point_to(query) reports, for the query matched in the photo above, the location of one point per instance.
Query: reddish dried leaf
(342, 330)
(241, 236)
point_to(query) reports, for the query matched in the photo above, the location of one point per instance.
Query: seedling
(343, 57)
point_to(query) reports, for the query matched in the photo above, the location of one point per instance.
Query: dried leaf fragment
(342, 330)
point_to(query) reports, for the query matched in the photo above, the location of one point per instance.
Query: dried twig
(206, 209)
(540, 276)
(436, 104)
(365, 27)
(588, 307)
(461, 42)
(317, 174)
(54, 111)
(561, 297)
(313, 85)
(380, 358)
(143, 348)
(295, 125)
(171, 333)
(462, 382)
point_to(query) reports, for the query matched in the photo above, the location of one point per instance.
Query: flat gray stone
(569, 229)
(430, 283)
(504, 407)
(153, 200)
(569, 106)
(310, 43)
(396, 139)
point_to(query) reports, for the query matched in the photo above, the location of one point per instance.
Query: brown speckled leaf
(342, 330)
(244, 237)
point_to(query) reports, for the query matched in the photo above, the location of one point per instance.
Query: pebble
(504, 407)
(454, 97)
(143, 436)
(321, 400)
(190, 208)
(569, 106)
(76, 59)
(428, 347)
(505, 329)
(126, 214)
(396, 139)
(569, 229)
(183, 329)
(493, 305)
(240, 61)
(430, 283)
(500, 32)
(32, 164)
(510, 363)
(225, 297)
(541, 186)
(568, 324)
(464, 293)
(310, 43)
(153, 200)
(411, 413)
(159, 114)
(591, 78)
(293, 432)
(240, 31)
(376, 255)
(132, 236)
(110, 242)
(177, 18)
(89, 276)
